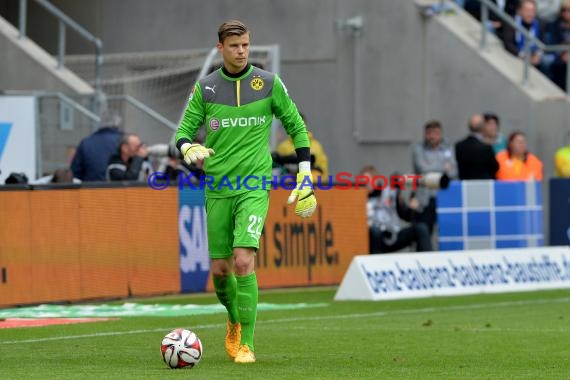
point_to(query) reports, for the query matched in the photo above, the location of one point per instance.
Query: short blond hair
(231, 28)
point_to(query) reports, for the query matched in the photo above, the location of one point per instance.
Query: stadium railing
(488, 5)
(64, 22)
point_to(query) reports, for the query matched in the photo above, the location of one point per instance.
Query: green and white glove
(195, 152)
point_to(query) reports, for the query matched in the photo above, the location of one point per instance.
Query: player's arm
(286, 111)
(189, 125)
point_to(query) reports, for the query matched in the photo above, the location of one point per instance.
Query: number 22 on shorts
(255, 226)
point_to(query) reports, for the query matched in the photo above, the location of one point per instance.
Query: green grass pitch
(500, 336)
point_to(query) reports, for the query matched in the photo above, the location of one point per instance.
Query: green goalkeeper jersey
(238, 113)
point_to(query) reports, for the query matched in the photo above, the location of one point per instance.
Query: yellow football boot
(233, 337)
(244, 355)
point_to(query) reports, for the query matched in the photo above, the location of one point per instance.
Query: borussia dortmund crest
(257, 84)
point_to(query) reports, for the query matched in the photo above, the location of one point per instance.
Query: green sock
(247, 306)
(226, 290)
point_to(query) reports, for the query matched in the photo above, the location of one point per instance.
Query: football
(181, 348)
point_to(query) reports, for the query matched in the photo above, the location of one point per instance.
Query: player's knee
(220, 268)
(244, 262)
(220, 272)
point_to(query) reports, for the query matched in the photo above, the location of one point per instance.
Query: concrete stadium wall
(404, 69)
(25, 66)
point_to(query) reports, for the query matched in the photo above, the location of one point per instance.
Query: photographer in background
(128, 164)
(168, 160)
(433, 155)
(384, 210)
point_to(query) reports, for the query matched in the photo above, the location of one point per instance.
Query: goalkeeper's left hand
(195, 152)
(304, 194)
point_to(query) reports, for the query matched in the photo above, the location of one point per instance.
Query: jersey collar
(237, 76)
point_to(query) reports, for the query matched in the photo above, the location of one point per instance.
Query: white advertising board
(415, 275)
(17, 136)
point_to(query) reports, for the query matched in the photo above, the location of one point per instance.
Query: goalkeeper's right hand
(195, 152)
(304, 194)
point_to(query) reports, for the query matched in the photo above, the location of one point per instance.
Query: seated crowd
(547, 20)
(484, 154)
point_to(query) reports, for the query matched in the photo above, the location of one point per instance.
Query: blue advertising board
(194, 259)
(559, 211)
(490, 214)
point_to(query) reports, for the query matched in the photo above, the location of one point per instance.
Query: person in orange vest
(516, 163)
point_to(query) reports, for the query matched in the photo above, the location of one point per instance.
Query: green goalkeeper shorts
(235, 222)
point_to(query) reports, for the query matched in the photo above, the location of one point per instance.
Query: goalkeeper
(236, 103)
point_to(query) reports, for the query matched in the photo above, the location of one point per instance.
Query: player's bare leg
(247, 297)
(226, 290)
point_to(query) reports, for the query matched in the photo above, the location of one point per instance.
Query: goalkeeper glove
(304, 194)
(195, 152)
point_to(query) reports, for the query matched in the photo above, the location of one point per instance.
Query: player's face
(235, 51)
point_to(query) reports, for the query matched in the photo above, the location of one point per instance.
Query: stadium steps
(28, 67)
(456, 21)
(464, 27)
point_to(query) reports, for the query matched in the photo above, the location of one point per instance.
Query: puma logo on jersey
(213, 89)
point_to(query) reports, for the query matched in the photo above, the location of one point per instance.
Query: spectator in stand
(129, 162)
(433, 155)
(516, 163)
(491, 132)
(93, 154)
(475, 158)
(384, 210)
(559, 34)
(562, 160)
(547, 10)
(514, 40)
(473, 7)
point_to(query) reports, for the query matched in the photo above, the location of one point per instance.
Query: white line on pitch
(297, 319)
(441, 328)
